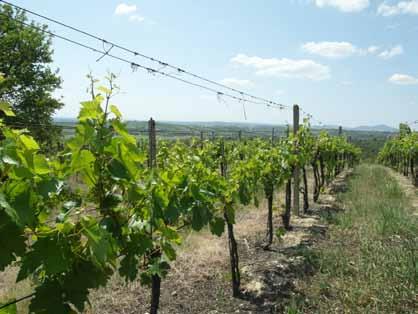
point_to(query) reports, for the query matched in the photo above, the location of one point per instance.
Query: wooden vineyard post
(152, 163)
(232, 243)
(415, 172)
(239, 135)
(340, 158)
(288, 197)
(272, 136)
(152, 144)
(296, 170)
(213, 135)
(305, 191)
(201, 139)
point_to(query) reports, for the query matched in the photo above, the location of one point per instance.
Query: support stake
(296, 170)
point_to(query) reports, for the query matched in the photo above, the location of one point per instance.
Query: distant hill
(363, 128)
(375, 128)
(65, 120)
(183, 125)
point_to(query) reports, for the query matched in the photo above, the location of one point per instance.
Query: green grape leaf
(118, 170)
(49, 186)
(169, 251)
(9, 210)
(21, 201)
(41, 165)
(145, 279)
(100, 242)
(11, 160)
(170, 233)
(200, 217)
(6, 109)
(22, 172)
(49, 298)
(12, 241)
(138, 246)
(244, 194)
(29, 142)
(158, 268)
(230, 213)
(217, 226)
(83, 277)
(52, 253)
(129, 267)
(11, 309)
(104, 90)
(115, 111)
(172, 212)
(90, 110)
(160, 201)
(123, 132)
(84, 159)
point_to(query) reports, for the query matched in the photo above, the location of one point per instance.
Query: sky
(347, 62)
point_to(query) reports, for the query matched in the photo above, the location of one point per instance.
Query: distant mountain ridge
(366, 128)
(375, 128)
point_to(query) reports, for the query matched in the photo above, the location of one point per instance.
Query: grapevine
(97, 208)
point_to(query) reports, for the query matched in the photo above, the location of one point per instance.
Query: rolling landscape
(225, 157)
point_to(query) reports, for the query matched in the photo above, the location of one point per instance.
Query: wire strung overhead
(188, 131)
(106, 53)
(108, 46)
(148, 69)
(311, 117)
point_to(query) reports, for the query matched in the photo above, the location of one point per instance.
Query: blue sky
(348, 62)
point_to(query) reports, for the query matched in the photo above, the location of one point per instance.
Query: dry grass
(368, 264)
(9, 290)
(199, 279)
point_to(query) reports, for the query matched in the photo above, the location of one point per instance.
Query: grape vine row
(71, 221)
(401, 153)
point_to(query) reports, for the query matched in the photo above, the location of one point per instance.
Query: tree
(25, 58)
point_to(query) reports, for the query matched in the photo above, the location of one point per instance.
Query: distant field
(369, 141)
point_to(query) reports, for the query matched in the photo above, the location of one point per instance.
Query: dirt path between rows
(199, 281)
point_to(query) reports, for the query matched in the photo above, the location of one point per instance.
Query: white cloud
(335, 49)
(125, 9)
(392, 52)
(403, 79)
(136, 18)
(233, 82)
(287, 68)
(373, 49)
(402, 7)
(344, 5)
(330, 49)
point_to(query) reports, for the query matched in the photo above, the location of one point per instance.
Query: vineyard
(107, 203)
(401, 153)
(84, 205)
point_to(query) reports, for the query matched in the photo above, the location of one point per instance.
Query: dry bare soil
(199, 281)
